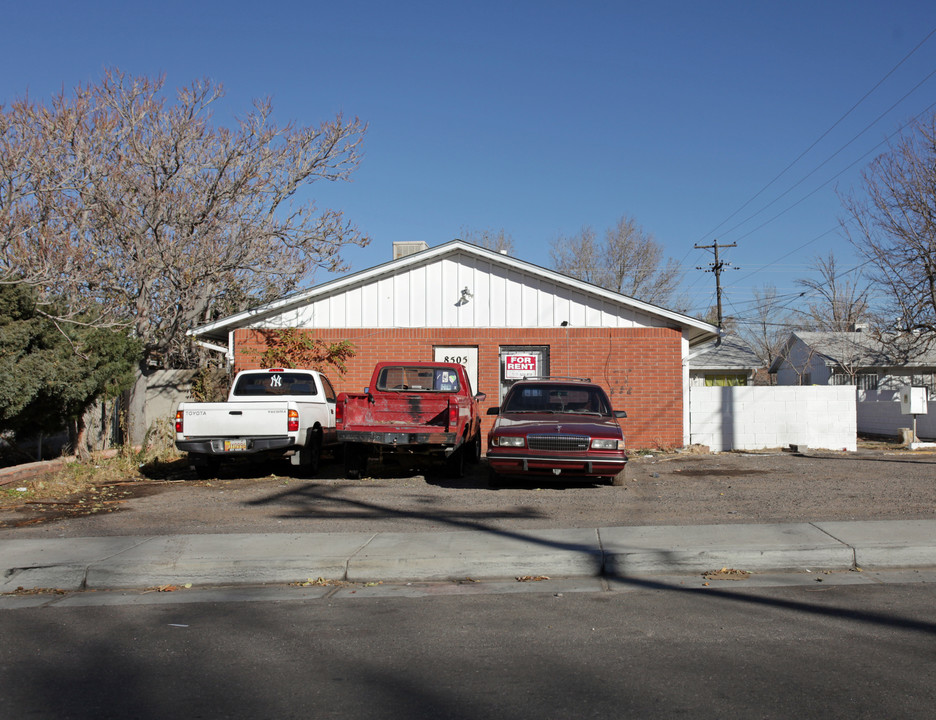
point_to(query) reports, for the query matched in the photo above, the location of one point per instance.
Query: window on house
(862, 380)
(726, 380)
(927, 380)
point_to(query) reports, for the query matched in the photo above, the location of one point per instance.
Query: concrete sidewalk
(139, 562)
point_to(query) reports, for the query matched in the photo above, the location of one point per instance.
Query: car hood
(552, 423)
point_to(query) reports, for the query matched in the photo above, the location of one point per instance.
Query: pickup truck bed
(414, 413)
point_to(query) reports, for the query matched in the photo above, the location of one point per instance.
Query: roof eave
(698, 331)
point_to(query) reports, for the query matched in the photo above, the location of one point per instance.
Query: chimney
(404, 248)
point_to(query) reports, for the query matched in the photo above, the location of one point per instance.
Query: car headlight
(509, 441)
(603, 444)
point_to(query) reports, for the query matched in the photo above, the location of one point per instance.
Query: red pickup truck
(414, 413)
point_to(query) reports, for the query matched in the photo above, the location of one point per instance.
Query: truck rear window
(417, 379)
(275, 384)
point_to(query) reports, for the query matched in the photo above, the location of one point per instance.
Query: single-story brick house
(500, 316)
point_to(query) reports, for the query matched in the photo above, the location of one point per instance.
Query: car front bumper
(532, 464)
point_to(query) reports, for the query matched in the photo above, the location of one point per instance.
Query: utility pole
(716, 267)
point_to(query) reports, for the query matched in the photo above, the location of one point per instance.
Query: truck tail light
(453, 414)
(178, 421)
(339, 413)
(292, 424)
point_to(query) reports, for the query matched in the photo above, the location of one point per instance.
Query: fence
(155, 398)
(753, 418)
(879, 414)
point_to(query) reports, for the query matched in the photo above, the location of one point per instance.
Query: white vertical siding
(496, 301)
(426, 295)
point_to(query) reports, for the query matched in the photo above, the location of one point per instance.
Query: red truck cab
(413, 413)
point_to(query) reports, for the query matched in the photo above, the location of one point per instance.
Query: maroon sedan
(557, 428)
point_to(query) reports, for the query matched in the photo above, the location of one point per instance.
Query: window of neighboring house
(726, 380)
(897, 381)
(862, 380)
(927, 380)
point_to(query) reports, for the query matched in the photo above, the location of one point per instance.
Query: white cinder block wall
(755, 418)
(879, 414)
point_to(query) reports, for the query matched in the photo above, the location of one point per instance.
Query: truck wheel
(311, 454)
(474, 450)
(355, 460)
(455, 464)
(206, 467)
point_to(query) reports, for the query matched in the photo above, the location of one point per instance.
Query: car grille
(558, 443)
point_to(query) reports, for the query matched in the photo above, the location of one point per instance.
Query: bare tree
(769, 326)
(893, 225)
(139, 211)
(842, 300)
(499, 241)
(628, 261)
(579, 256)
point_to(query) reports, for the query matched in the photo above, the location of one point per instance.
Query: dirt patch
(714, 472)
(662, 489)
(101, 499)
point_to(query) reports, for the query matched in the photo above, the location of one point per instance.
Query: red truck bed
(414, 411)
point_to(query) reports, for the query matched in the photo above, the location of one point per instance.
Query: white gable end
(430, 294)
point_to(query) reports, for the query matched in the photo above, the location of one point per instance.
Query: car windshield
(417, 379)
(556, 399)
(274, 384)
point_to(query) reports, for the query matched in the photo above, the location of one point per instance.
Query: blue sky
(540, 117)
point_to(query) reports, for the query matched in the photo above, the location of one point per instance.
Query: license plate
(234, 445)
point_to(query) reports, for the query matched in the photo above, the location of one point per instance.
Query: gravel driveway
(666, 489)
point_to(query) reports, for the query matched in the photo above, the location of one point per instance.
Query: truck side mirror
(480, 397)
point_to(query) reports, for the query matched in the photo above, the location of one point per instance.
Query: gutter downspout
(228, 351)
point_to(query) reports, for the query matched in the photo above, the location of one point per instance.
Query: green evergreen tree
(51, 373)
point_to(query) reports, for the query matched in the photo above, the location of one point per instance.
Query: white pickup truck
(276, 411)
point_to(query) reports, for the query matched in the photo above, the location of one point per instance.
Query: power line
(828, 159)
(824, 134)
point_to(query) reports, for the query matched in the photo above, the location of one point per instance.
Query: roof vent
(402, 249)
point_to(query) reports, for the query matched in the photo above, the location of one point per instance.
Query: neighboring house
(851, 358)
(724, 362)
(503, 318)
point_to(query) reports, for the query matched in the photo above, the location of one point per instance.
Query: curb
(100, 563)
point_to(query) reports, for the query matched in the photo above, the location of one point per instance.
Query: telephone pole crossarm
(717, 267)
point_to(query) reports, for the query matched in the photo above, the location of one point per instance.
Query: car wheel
(474, 450)
(494, 480)
(619, 480)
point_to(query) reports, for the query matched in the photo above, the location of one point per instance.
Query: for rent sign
(520, 366)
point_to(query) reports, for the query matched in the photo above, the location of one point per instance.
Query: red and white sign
(520, 366)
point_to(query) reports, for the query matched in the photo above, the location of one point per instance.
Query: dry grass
(76, 477)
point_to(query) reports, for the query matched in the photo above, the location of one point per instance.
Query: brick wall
(641, 368)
